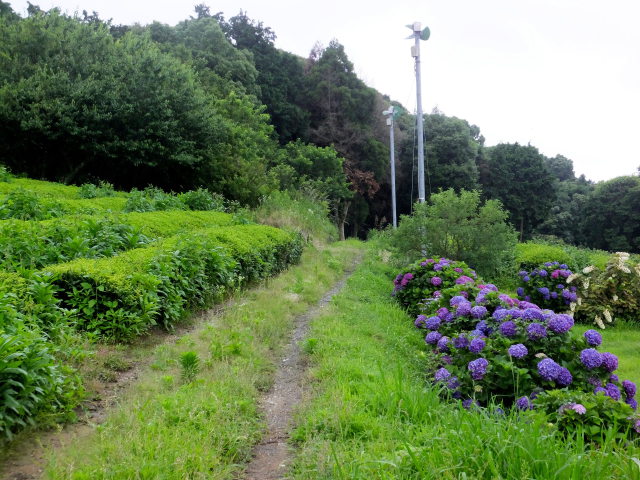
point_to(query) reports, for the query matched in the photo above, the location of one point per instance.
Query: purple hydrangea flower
(463, 279)
(560, 323)
(442, 374)
(442, 312)
(476, 345)
(560, 286)
(468, 403)
(433, 337)
(453, 383)
(532, 314)
(503, 297)
(437, 267)
(523, 403)
(457, 300)
(520, 291)
(479, 311)
(591, 358)
(478, 368)
(508, 329)
(515, 313)
(548, 369)
(593, 337)
(458, 270)
(463, 309)
(527, 304)
(461, 342)
(526, 278)
(490, 287)
(522, 273)
(613, 391)
(447, 359)
(544, 291)
(436, 281)
(632, 402)
(594, 381)
(500, 313)
(476, 333)
(484, 327)
(542, 273)
(406, 279)
(536, 331)
(554, 295)
(443, 344)
(613, 378)
(609, 361)
(518, 350)
(629, 388)
(420, 320)
(598, 390)
(432, 323)
(437, 294)
(576, 407)
(564, 377)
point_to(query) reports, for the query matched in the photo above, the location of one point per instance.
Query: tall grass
(371, 415)
(184, 422)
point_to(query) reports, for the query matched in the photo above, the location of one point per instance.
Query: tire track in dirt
(271, 456)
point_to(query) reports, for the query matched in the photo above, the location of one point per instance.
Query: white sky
(563, 75)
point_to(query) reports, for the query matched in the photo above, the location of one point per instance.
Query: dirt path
(271, 457)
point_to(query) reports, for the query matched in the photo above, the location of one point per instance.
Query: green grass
(170, 428)
(623, 339)
(371, 415)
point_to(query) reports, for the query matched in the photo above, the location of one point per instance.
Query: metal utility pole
(389, 114)
(419, 34)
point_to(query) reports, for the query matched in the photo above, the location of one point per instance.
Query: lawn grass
(623, 339)
(370, 414)
(169, 427)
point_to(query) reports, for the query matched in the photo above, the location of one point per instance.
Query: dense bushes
(123, 296)
(546, 286)
(491, 347)
(458, 226)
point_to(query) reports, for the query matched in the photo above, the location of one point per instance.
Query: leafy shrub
(530, 255)
(168, 223)
(609, 293)
(41, 188)
(91, 190)
(190, 363)
(123, 296)
(495, 348)
(458, 226)
(24, 205)
(152, 199)
(428, 280)
(5, 175)
(546, 286)
(301, 212)
(202, 199)
(34, 245)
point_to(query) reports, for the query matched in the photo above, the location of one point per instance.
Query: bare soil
(271, 457)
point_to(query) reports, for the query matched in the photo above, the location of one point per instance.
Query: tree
(612, 215)
(518, 177)
(561, 168)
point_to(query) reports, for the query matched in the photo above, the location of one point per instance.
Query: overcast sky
(563, 75)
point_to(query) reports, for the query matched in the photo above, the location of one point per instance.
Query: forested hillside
(212, 102)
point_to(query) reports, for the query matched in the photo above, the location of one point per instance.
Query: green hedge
(42, 188)
(167, 223)
(123, 296)
(532, 254)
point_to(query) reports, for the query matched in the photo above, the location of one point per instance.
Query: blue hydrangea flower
(554, 295)
(613, 391)
(442, 374)
(548, 369)
(526, 278)
(478, 368)
(591, 358)
(564, 377)
(500, 313)
(523, 403)
(632, 402)
(479, 311)
(463, 309)
(443, 344)
(598, 390)
(508, 329)
(544, 291)
(609, 361)
(613, 378)
(593, 337)
(629, 388)
(432, 323)
(532, 314)
(433, 337)
(520, 291)
(476, 333)
(476, 345)
(536, 331)
(458, 299)
(461, 342)
(560, 323)
(420, 319)
(442, 312)
(518, 350)
(542, 273)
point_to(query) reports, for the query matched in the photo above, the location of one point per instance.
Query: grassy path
(369, 414)
(194, 413)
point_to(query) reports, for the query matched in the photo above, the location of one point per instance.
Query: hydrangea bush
(431, 280)
(607, 294)
(494, 348)
(546, 285)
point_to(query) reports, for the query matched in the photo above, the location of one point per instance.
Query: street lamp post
(419, 34)
(389, 114)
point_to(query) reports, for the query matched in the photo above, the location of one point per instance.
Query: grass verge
(371, 415)
(194, 414)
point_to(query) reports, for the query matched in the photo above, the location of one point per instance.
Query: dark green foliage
(611, 215)
(91, 190)
(123, 296)
(33, 245)
(605, 419)
(152, 199)
(202, 199)
(24, 205)
(518, 176)
(458, 226)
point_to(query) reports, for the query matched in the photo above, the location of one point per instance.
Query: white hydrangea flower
(598, 321)
(607, 316)
(588, 269)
